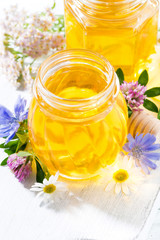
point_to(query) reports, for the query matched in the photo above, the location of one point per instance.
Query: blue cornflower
(142, 148)
(9, 122)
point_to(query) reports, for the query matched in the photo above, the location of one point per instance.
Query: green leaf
(158, 116)
(2, 145)
(9, 144)
(23, 137)
(153, 92)
(54, 4)
(120, 75)
(129, 112)
(143, 78)
(4, 162)
(9, 151)
(150, 106)
(24, 154)
(40, 173)
(10, 147)
(12, 143)
(20, 146)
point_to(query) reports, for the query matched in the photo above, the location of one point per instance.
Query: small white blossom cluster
(15, 71)
(36, 43)
(26, 38)
(13, 21)
(42, 21)
(38, 38)
(27, 73)
(10, 68)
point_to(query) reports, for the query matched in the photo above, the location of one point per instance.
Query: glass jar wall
(124, 31)
(78, 117)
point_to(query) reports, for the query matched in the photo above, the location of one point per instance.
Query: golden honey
(78, 117)
(124, 31)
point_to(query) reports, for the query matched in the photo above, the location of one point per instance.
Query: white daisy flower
(50, 190)
(123, 176)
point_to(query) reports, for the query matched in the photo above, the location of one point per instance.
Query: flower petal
(8, 130)
(9, 138)
(4, 128)
(117, 188)
(144, 167)
(5, 115)
(23, 116)
(137, 163)
(132, 144)
(37, 184)
(130, 138)
(139, 138)
(125, 189)
(19, 107)
(40, 194)
(110, 186)
(45, 182)
(152, 147)
(4, 121)
(5, 133)
(13, 130)
(148, 140)
(152, 155)
(52, 180)
(33, 189)
(149, 163)
(126, 147)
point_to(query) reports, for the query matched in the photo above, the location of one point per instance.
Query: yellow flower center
(49, 188)
(121, 175)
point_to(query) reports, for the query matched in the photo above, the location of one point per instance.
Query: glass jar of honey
(124, 31)
(78, 117)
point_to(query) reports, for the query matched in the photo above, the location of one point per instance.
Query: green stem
(33, 62)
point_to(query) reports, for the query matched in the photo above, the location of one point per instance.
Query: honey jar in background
(78, 117)
(124, 31)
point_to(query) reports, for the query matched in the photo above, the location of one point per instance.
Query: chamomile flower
(50, 191)
(123, 176)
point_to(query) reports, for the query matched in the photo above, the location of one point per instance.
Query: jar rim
(52, 98)
(113, 2)
(90, 8)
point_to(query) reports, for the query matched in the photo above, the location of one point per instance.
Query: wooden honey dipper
(142, 122)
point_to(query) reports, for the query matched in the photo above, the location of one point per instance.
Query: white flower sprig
(27, 38)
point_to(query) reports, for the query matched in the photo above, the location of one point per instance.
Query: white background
(18, 220)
